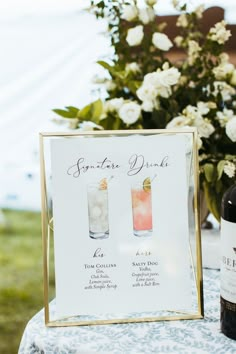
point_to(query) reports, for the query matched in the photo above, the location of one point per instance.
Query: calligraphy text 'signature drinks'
(98, 210)
(142, 208)
(228, 264)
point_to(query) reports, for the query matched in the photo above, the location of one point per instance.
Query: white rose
(130, 112)
(132, 67)
(151, 2)
(233, 78)
(146, 92)
(178, 122)
(161, 41)
(146, 15)
(113, 105)
(205, 129)
(135, 36)
(147, 106)
(203, 108)
(230, 129)
(129, 13)
(169, 77)
(153, 79)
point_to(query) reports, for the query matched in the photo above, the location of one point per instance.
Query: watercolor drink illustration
(142, 208)
(98, 210)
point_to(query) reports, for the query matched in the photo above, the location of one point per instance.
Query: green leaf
(91, 112)
(65, 113)
(209, 171)
(220, 168)
(106, 66)
(73, 110)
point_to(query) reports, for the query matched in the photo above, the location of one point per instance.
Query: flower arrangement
(145, 89)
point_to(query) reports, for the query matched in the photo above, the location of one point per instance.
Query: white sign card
(121, 232)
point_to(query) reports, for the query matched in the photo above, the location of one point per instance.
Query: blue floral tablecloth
(180, 337)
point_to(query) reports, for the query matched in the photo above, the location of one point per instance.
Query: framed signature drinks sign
(121, 209)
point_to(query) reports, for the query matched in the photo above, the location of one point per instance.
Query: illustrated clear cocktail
(142, 208)
(98, 210)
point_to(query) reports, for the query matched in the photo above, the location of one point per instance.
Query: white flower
(178, 122)
(113, 105)
(135, 36)
(178, 40)
(161, 41)
(222, 70)
(151, 2)
(193, 51)
(225, 116)
(182, 21)
(110, 85)
(224, 58)
(219, 33)
(203, 107)
(132, 67)
(199, 11)
(230, 129)
(205, 128)
(146, 15)
(129, 13)
(229, 169)
(211, 105)
(222, 87)
(233, 78)
(147, 92)
(148, 106)
(169, 77)
(130, 112)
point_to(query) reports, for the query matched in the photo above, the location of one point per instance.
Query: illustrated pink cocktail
(142, 208)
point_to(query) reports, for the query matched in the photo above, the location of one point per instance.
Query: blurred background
(48, 55)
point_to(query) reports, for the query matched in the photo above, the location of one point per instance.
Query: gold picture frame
(197, 312)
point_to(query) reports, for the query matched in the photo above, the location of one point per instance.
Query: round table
(192, 336)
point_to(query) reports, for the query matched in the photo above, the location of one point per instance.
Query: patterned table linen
(179, 337)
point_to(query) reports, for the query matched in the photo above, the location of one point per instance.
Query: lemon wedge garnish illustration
(103, 184)
(147, 184)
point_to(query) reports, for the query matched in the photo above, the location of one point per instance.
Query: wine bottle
(228, 263)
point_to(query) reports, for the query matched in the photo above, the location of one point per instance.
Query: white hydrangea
(229, 169)
(219, 33)
(223, 70)
(129, 13)
(132, 67)
(113, 105)
(179, 40)
(230, 129)
(203, 107)
(130, 112)
(146, 15)
(161, 41)
(193, 51)
(199, 11)
(135, 36)
(182, 21)
(224, 116)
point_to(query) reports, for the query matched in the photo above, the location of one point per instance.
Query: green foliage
(21, 282)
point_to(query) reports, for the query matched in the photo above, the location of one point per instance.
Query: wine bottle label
(228, 261)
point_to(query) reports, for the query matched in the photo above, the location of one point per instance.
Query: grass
(21, 279)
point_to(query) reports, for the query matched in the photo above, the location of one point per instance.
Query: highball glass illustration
(98, 210)
(142, 208)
